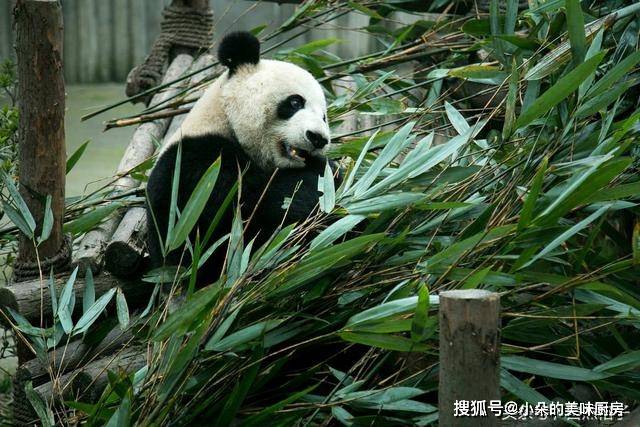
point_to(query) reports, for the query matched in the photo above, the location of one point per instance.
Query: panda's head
(275, 110)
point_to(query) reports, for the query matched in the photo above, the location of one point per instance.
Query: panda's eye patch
(289, 106)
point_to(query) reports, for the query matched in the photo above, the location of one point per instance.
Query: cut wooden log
(469, 354)
(205, 60)
(61, 361)
(140, 148)
(73, 356)
(88, 382)
(26, 297)
(90, 252)
(142, 145)
(125, 252)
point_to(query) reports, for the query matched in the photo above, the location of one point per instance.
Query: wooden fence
(104, 39)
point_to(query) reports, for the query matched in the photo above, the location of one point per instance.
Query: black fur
(238, 48)
(289, 106)
(198, 153)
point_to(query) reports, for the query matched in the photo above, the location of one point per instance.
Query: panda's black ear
(238, 48)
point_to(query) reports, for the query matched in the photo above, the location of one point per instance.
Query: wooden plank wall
(105, 39)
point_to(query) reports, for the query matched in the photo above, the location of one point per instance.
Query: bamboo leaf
(327, 187)
(335, 231)
(383, 203)
(52, 292)
(122, 309)
(262, 418)
(42, 410)
(512, 97)
(635, 243)
(388, 309)
(190, 313)
(73, 159)
(527, 209)
(457, 120)
(93, 312)
(550, 369)
(47, 223)
(194, 207)
(173, 204)
(89, 220)
(365, 10)
(621, 363)
(18, 219)
(582, 186)
(520, 389)
(388, 154)
(615, 74)
(239, 339)
(602, 101)
(122, 416)
(420, 330)
(223, 328)
(594, 48)
(575, 28)
(89, 293)
(383, 341)
(559, 91)
(67, 292)
(21, 205)
(239, 392)
(567, 235)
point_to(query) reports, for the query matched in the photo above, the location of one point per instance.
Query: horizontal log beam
(27, 297)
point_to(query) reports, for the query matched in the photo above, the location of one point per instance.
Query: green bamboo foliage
(506, 160)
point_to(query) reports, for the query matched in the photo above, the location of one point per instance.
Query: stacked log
(32, 299)
(126, 250)
(90, 254)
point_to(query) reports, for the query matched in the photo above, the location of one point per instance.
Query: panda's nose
(317, 140)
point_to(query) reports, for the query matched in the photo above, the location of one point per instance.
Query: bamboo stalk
(145, 118)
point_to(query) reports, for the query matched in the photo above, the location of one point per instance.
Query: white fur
(244, 106)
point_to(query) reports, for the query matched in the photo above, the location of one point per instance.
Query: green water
(101, 158)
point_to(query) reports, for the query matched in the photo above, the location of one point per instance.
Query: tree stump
(42, 166)
(469, 354)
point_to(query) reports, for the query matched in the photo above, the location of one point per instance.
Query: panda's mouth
(295, 153)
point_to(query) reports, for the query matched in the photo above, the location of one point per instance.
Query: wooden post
(469, 354)
(41, 129)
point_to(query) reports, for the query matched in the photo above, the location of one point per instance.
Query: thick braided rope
(59, 262)
(181, 26)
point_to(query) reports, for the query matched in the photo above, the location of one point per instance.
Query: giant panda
(264, 119)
